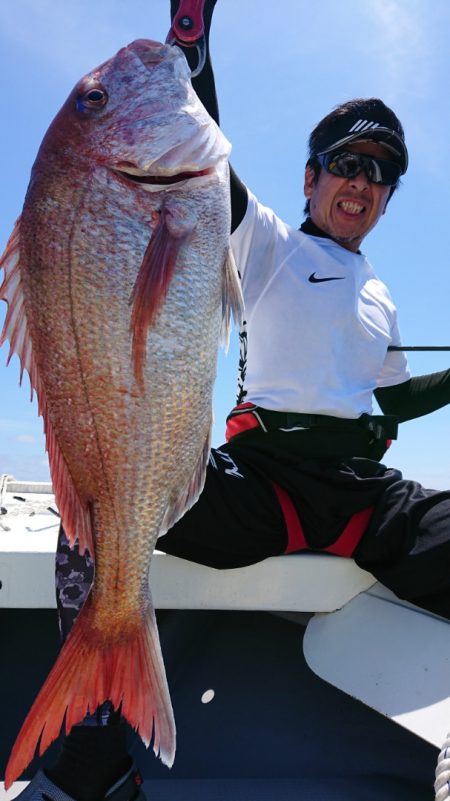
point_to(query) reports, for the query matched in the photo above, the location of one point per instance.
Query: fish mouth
(135, 175)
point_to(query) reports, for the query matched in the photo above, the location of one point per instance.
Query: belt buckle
(372, 425)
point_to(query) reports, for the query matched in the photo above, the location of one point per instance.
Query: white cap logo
(363, 125)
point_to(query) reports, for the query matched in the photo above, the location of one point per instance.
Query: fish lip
(135, 175)
(149, 51)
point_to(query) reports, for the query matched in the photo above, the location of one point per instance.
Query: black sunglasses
(349, 165)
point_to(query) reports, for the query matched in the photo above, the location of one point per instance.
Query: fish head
(138, 115)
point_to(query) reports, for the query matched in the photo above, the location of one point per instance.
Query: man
(301, 468)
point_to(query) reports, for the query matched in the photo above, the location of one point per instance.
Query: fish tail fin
(232, 299)
(127, 670)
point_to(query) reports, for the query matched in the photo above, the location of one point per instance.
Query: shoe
(128, 788)
(41, 788)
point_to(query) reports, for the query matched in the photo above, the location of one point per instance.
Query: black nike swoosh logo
(312, 278)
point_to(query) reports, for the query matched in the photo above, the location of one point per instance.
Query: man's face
(347, 208)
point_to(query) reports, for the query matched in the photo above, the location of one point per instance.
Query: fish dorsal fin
(75, 517)
(15, 328)
(232, 299)
(154, 277)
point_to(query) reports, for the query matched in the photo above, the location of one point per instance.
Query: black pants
(238, 521)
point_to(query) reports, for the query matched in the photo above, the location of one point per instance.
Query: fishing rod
(419, 347)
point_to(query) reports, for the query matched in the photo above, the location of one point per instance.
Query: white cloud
(402, 46)
(25, 438)
(410, 53)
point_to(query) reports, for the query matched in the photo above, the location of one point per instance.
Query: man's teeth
(351, 207)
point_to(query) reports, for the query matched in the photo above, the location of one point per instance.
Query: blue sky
(279, 69)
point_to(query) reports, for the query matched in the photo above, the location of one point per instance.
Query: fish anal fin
(192, 491)
(75, 516)
(89, 672)
(154, 277)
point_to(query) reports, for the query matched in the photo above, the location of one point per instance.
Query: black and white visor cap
(366, 130)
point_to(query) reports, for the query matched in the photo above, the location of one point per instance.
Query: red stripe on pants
(346, 542)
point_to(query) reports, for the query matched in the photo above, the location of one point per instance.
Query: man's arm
(205, 87)
(418, 396)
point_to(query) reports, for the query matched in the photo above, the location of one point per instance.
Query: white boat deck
(353, 648)
(28, 535)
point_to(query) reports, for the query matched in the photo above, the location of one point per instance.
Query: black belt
(381, 426)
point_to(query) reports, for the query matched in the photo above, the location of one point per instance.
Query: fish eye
(93, 98)
(96, 96)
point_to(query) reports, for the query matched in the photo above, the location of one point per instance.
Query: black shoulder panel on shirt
(239, 200)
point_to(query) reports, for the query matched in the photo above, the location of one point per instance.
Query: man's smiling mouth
(351, 207)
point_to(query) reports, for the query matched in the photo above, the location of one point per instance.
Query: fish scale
(119, 289)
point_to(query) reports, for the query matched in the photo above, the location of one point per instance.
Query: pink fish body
(119, 286)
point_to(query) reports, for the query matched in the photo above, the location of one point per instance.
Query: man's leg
(407, 545)
(74, 574)
(237, 520)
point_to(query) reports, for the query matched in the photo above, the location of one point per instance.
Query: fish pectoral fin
(75, 517)
(232, 298)
(153, 280)
(192, 490)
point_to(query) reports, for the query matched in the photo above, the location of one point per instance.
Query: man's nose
(360, 181)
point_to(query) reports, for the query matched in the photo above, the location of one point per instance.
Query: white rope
(442, 783)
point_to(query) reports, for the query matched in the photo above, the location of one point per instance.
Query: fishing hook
(188, 30)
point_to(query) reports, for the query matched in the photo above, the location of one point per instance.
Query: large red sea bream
(119, 285)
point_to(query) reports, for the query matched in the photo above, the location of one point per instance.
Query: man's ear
(309, 181)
